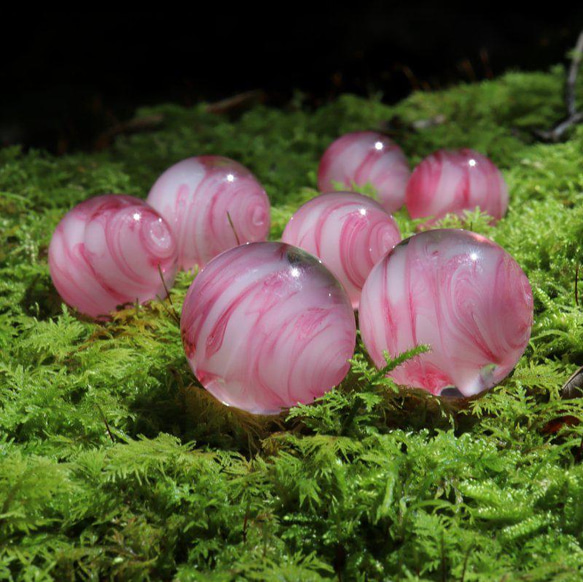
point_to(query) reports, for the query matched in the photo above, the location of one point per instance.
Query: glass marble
(109, 251)
(366, 157)
(266, 326)
(213, 204)
(455, 181)
(461, 294)
(348, 231)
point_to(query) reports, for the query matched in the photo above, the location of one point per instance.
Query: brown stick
(106, 424)
(233, 228)
(240, 101)
(132, 126)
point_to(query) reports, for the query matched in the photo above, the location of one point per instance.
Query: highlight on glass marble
(461, 294)
(109, 251)
(366, 157)
(453, 181)
(213, 204)
(348, 231)
(266, 326)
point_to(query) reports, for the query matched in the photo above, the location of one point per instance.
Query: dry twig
(237, 102)
(573, 116)
(148, 123)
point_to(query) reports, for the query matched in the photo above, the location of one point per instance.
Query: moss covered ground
(114, 464)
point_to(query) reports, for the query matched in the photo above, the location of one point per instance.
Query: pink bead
(366, 157)
(454, 181)
(460, 293)
(349, 232)
(198, 195)
(266, 326)
(107, 251)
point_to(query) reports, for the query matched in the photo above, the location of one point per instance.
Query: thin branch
(233, 228)
(467, 67)
(577, 285)
(573, 116)
(485, 58)
(173, 313)
(466, 557)
(133, 126)
(106, 423)
(572, 78)
(443, 559)
(411, 77)
(237, 102)
(246, 520)
(555, 134)
(573, 387)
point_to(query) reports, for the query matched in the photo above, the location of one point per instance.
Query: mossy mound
(114, 464)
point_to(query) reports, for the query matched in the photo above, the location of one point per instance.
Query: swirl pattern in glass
(458, 292)
(266, 326)
(109, 251)
(366, 157)
(212, 204)
(348, 231)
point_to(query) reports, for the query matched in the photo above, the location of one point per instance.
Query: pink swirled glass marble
(212, 203)
(461, 294)
(109, 251)
(366, 157)
(266, 326)
(349, 232)
(455, 181)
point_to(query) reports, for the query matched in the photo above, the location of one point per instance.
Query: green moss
(114, 463)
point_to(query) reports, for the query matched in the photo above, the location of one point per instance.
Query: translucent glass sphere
(461, 294)
(266, 326)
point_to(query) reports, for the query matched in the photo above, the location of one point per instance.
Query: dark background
(66, 78)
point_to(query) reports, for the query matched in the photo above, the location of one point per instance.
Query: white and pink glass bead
(366, 157)
(109, 251)
(459, 293)
(266, 326)
(212, 204)
(348, 232)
